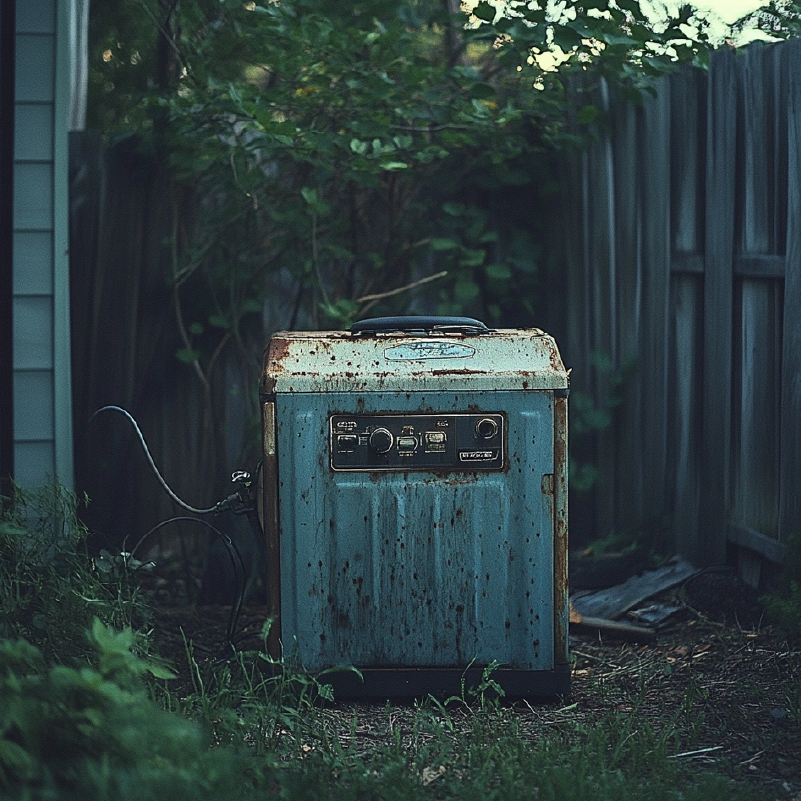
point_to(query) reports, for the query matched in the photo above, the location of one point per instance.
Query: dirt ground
(716, 675)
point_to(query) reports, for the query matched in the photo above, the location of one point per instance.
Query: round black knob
(486, 428)
(381, 440)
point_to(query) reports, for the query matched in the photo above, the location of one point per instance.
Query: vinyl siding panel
(34, 463)
(36, 16)
(33, 332)
(33, 196)
(33, 132)
(33, 263)
(33, 406)
(35, 68)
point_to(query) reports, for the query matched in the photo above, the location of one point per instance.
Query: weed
(783, 606)
(50, 590)
(253, 692)
(692, 707)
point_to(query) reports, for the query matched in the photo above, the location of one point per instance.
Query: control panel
(461, 442)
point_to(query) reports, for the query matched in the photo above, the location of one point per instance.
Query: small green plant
(486, 691)
(793, 700)
(253, 691)
(783, 606)
(50, 589)
(693, 710)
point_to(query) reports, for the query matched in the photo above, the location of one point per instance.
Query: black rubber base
(442, 683)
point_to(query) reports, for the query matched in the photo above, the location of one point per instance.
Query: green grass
(91, 732)
(86, 713)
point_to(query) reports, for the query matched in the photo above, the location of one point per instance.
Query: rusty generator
(414, 503)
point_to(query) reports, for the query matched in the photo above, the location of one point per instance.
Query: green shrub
(50, 588)
(92, 732)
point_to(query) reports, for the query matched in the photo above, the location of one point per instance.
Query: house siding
(41, 327)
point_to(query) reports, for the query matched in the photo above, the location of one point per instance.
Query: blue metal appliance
(415, 505)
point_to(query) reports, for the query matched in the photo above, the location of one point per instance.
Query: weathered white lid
(337, 361)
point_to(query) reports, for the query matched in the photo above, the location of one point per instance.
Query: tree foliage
(339, 159)
(779, 19)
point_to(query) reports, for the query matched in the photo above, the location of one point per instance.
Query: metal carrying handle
(419, 325)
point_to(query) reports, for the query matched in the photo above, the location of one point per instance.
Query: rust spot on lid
(277, 352)
(458, 371)
(555, 358)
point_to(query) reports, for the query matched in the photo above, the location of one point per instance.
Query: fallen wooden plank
(614, 602)
(628, 631)
(653, 614)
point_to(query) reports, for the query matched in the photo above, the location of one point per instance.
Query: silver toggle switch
(407, 444)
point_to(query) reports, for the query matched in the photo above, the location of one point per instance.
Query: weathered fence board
(684, 455)
(719, 251)
(755, 468)
(790, 481)
(627, 492)
(756, 159)
(688, 125)
(601, 270)
(656, 295)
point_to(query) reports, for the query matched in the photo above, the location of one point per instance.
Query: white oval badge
(426, 349)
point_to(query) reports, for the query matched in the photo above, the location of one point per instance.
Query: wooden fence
(123, 209)
(677, 247)
(680, 250)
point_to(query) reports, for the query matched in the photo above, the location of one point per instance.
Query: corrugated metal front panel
(413, 569)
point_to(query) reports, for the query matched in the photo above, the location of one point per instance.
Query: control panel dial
(381, 440)
(486, 428)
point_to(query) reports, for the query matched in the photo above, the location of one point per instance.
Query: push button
(435, 441)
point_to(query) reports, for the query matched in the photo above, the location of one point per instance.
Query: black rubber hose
(163, 483)
(236, 562)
